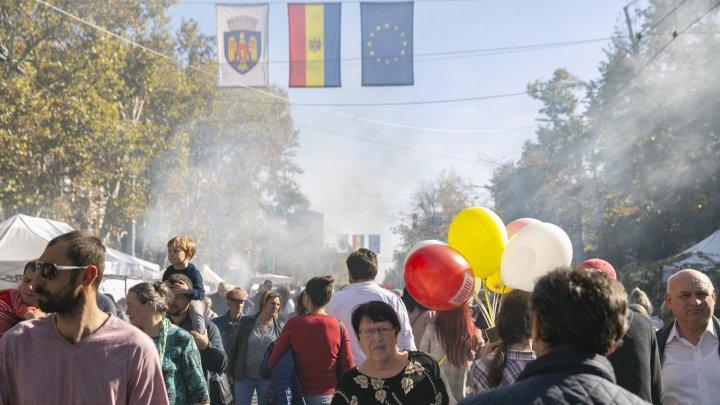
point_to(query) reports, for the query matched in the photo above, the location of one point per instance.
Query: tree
(99, 133)
(551, 178)
(434, 205)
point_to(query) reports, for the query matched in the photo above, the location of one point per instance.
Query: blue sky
(361, 174)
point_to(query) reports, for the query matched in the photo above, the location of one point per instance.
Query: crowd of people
(578, 337)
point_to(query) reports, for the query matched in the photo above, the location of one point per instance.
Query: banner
(242, 37)
(374, 243)
(358, 241)
(314, 44)
(387, 44)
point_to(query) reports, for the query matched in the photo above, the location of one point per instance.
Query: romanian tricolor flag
(314, 44)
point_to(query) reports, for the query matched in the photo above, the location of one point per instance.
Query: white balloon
(532, 252)
(421, 244)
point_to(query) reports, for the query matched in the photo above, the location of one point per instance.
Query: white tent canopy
(702, 256)
(23, 238)
(210, 278)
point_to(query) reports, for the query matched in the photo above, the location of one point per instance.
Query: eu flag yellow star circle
(387, 43)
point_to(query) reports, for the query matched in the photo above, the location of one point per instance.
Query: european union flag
(387, 44)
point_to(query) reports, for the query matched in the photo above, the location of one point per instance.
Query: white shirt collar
(710, 328)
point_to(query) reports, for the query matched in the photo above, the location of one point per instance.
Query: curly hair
(579, 310)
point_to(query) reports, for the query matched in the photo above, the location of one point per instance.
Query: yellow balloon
(480, 236)
(494, 283)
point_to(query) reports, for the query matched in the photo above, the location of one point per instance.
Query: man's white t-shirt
(344, 302)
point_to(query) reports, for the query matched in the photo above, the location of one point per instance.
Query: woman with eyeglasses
(388, 376)
(179, 356)
(247, 349)
(321, 351)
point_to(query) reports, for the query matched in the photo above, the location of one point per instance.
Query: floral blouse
(182, 369)
(418, 384)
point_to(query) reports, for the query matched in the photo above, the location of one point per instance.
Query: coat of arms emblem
(243, 44)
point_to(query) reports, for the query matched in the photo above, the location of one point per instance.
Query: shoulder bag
(220, 391)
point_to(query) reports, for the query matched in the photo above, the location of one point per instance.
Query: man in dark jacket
(212, 354)
(636, 362)
(578, 318)
(228, 322)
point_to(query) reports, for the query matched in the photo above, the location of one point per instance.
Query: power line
(339, 1)
(392, 145)
(258, 91)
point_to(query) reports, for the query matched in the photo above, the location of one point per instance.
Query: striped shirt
(515, 362)
(12, 309)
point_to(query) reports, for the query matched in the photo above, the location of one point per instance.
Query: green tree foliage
(551, 178)
(635, 174)
(433, 207)
(98, 132)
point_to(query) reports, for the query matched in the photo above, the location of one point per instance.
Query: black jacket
(664, 333)
(195, 291)
(227, 329)
(561, 377)
(637, 361)
(213, 358)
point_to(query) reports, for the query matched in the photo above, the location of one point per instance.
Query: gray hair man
(689, 347)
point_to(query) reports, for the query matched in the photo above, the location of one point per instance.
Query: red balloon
(439, 277)
(518, 224)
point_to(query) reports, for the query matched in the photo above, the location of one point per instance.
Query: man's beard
(66, 302)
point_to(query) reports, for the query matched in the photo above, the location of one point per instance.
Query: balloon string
(487, 302)
(483, 311)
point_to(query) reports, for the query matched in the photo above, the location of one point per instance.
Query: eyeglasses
(369, 333)
(49, 271)
(235, 301)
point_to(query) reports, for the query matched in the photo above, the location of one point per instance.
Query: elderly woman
(388, 375)
(321, 351)
(251, 338)
(179, 356)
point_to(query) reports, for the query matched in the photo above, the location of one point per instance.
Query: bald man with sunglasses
(78, 354)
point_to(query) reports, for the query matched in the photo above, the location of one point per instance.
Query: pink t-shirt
(116, 364)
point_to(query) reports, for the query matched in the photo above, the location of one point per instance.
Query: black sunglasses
(236, 301)
(50, 270)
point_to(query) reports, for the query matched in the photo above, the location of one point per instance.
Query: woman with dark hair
(388, 375)
(453, 340)
(179, 356)
(420, 317)
(251, 338)
(503, 365)
(321, 350)
(300, 306)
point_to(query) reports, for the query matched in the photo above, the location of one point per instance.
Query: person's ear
(90, 275)
(188, 255)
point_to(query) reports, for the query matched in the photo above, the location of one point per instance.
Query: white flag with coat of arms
(242, 37)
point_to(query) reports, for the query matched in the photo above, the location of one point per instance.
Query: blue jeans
(318, 400)
(245, 387)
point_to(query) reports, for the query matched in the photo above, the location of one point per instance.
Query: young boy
(180, 250)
